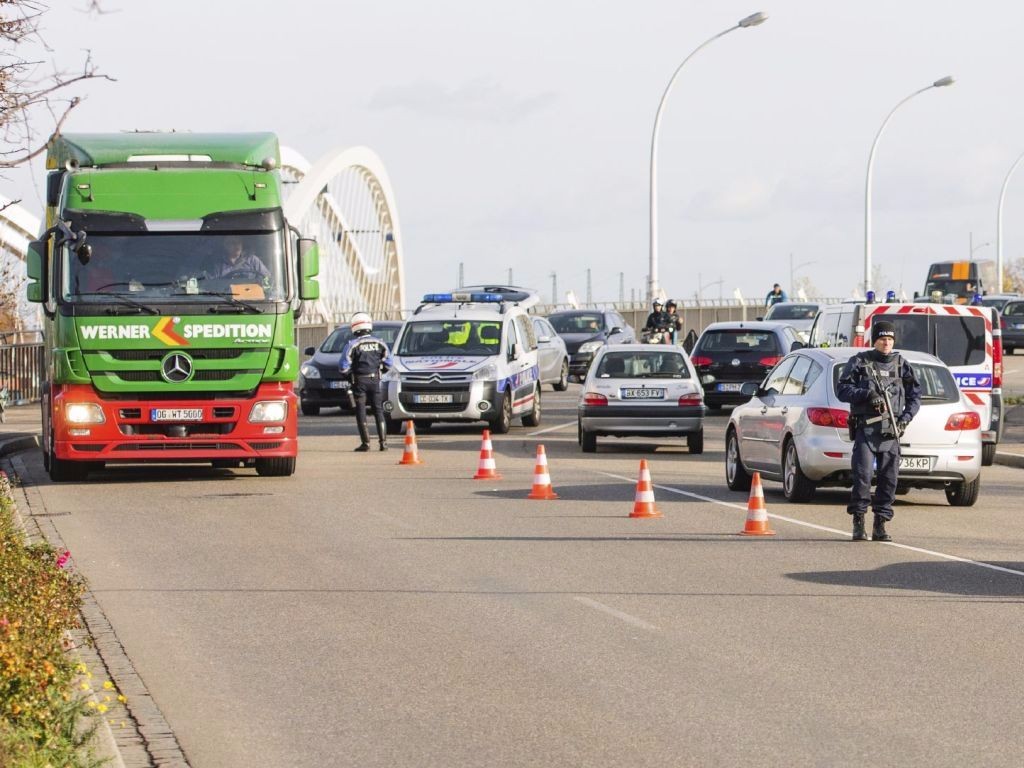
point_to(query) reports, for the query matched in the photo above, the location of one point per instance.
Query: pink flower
(64, 557)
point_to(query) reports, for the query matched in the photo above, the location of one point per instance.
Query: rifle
(889, 415)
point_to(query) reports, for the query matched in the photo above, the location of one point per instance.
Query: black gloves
(878, 403)
(901, 427)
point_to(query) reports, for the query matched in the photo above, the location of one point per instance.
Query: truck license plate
(176, 414)
(915, 463)
(432, 398)
(643, 394)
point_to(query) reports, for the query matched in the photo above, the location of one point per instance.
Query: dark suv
(320, 383)
(728, 355)
(587, 330)
(1011, 322)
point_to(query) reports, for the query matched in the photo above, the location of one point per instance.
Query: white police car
(468, 355)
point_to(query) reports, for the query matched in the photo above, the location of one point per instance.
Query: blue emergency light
(461, 298)
(869, 297)
(890, 297)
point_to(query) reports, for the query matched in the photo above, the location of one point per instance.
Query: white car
(794, 430)
(641, 389)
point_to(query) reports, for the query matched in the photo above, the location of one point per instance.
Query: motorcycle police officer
(363, 360)
(658, 320)
(868, 380)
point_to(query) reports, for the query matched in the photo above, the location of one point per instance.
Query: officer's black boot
(859, 533)
(878, 532)
(383, 445)
(363, 448)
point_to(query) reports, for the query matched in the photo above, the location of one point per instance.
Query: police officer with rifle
(364, 359)
(884, 396)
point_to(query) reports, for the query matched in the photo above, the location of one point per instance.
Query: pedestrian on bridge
(364, 359)
(775, 296)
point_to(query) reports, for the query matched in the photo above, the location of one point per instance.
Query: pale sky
(518, 135)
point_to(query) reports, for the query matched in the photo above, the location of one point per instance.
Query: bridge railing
(21, 371)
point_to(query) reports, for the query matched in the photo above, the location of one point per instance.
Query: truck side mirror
(35, 261)
(309, 268)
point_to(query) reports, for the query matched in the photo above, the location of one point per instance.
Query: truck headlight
(486, 372)
(309, 371)
(84, 413)
(590, 347)
(269, 410)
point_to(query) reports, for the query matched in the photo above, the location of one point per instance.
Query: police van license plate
(432, 399)
(730, 387)
(919, 463)
(643, 394)
(176, 414)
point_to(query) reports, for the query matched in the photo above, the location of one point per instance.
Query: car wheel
(563, 379)
(588, 441)
(796, 486)
(988, 454)
(1008, 350)
(963, 494)
(714, 406)
(502, 421)
(695, 442)
(736, 477)
(532, 419)
(309, 409)
(64, 471)
(423, 425)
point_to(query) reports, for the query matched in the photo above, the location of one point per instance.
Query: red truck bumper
(173, 430)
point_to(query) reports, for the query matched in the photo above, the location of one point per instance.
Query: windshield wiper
(233, 304)
(128, 302)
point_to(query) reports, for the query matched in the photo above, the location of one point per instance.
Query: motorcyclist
(675, 320)
(657, 321)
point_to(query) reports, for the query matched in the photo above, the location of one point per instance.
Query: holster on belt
(853, 423)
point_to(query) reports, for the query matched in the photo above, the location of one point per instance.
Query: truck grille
(436, 377)
(134, 355)
(147, 376)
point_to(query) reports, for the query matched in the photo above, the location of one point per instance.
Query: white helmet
(361, 323)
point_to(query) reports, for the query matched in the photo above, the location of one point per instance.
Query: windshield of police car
(480, 338)
(176, 266)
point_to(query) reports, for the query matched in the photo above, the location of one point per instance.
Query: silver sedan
(794, 430)
(641, 389)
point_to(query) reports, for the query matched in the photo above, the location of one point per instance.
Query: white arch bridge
(344, 200)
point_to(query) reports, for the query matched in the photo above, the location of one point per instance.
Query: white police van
(467, 355)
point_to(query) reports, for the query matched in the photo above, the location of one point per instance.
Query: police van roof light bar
(461, 298)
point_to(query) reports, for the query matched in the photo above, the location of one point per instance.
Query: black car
(728, 355)
(320, 383)
(587, 330)
(1012, 324)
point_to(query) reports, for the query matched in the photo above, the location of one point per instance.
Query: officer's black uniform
(878, 442)
(657, 320)
(363, 359)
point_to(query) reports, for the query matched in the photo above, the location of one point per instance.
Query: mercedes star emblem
(176, 368)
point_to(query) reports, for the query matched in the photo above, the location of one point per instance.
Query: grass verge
(47, 708)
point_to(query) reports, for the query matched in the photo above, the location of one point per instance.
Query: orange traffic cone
(411, 454)
(643, 503)
(757, 513)
(486, 469)
(541, 479)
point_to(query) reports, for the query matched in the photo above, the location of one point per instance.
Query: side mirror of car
(543, 339)
(751, 389)
(309, 351)
(513, 352)
(759, 319)
(796, 345)
(614, 330)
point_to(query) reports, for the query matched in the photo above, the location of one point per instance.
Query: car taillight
(691, 400)
(768, 362)
(828, 417)
(594, 398)
(699, 361)
(963, 421)
(997, 361)
(1002, 323)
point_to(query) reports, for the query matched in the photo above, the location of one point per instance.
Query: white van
(468, 355)
(839, 325)
(968, 340)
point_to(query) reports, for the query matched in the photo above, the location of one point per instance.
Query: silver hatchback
(641, 389)
(794, 430)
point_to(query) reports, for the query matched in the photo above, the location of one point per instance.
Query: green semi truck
(169, 280)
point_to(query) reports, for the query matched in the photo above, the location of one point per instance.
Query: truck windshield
(451, 337)
(177, 266)
(955, 340)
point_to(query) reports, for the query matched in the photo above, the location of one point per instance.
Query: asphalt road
(363, 613)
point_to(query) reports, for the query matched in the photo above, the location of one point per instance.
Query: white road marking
(826, 529)
(617, 614)
(551, 429)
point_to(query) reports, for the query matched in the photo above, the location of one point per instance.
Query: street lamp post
(974, 247)
(792, 269)
(999, 224)
(701, 286)
(653, 288)
(941, 83)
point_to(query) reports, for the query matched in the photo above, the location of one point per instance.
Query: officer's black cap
(882, 328)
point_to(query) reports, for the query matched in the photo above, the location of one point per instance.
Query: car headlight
(84, 413)
(590, 347)
(486, 372)
(309, 370)
(269, 410)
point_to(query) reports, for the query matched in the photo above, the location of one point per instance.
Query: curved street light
(653, 289)
(999, 224)
(940, 83)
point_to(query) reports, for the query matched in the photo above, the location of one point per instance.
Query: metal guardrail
(21, 369)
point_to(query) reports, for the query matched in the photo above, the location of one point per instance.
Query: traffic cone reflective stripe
(643, 502)
(411, 454)
(757, 513)
(486, 469)
(541, 480)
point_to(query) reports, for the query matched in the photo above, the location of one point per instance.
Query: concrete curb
(1010, 459)
(18, 443)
